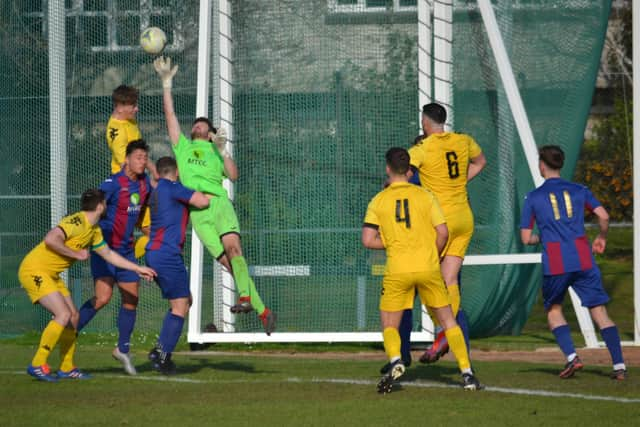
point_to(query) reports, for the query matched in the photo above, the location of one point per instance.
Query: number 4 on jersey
(400, 217)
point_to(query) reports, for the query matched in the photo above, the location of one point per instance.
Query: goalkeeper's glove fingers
(164, 70)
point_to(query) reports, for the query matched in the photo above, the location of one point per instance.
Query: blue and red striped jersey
(558, 208)
(169, 203)
(125, 200)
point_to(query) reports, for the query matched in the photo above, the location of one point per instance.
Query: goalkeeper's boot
(42, 373)
(165, 365)
(470, 382)
(619, 374)
(439, 348)
(406, 360)
(243, 306)
(125, 359)
(268, 319)
(571, 367)
(395, 371)
(73, 374)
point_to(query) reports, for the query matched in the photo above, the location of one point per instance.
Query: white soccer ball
(153, 40)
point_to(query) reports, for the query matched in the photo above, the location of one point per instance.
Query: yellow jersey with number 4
(442, 160)
(406, 215)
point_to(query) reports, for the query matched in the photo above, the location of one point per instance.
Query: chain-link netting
(321, 89)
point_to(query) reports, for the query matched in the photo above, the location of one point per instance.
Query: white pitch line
(347, 381)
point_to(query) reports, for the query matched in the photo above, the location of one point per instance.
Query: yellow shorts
(460, 225)
(399, 290)
(39, 283)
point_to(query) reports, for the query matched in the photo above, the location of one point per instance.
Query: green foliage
(605, 163)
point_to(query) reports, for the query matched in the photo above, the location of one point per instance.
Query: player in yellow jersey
(39, 275)
(406, 221)
(122, 129)
(445, 162)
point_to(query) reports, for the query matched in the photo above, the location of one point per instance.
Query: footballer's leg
(611, 338)
(55, 304)
(68, 340)
(126, 322)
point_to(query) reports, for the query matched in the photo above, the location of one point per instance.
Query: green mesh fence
(321, 89)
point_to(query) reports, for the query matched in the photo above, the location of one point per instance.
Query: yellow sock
(391, 343)
(67, 349)
(48, 341)
(458, 347)
(454, 297)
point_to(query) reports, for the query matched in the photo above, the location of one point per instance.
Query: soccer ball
(153, 40)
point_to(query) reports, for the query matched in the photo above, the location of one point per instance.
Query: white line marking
(348, 381)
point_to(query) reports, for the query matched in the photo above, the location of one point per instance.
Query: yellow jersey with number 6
(442, 160)
(406, 215)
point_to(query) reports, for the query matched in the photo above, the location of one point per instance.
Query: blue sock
(126, 321)
(612, 340)
(563, 338)
(461, 318)
(406, 325)
(170, 333)
(87, 312)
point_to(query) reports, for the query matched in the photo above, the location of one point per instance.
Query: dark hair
(125, 95)
(90, 199)
(435, 112)
(138, 144)
(207, 121)
(398, 160)
(166, 165)
(552, 156)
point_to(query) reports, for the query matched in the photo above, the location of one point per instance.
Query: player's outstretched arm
(199, 200)
(116, 259)
(55, 239)
(166, 73)
(600, 242)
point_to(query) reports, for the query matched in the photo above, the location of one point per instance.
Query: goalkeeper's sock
(256, 301)
(458, 347)
(563, 338)
(406, 325)
(126, 322)
(68, 341)
(170, 333)
(611, 338)
(48, 340)
(241, 276)
(87, 312)
(391, 343)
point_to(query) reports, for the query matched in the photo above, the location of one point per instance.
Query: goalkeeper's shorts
(214, 222)
(398, 290)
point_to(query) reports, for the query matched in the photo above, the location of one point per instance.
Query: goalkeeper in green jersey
(203, 163)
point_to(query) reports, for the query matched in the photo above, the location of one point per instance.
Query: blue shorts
(587, 284)
(172, 277)
(101, 268)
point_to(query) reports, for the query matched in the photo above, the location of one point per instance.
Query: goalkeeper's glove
(219, 137)
(164, 70)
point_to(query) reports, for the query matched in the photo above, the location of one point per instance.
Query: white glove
(164, 70)
(220, 139)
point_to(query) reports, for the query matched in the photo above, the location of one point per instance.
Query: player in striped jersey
(39, 275)
(557, 207)
(127, 192)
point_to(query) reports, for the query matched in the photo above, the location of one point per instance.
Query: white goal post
(435, 24)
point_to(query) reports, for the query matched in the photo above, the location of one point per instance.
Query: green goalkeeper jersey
(200, 165)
